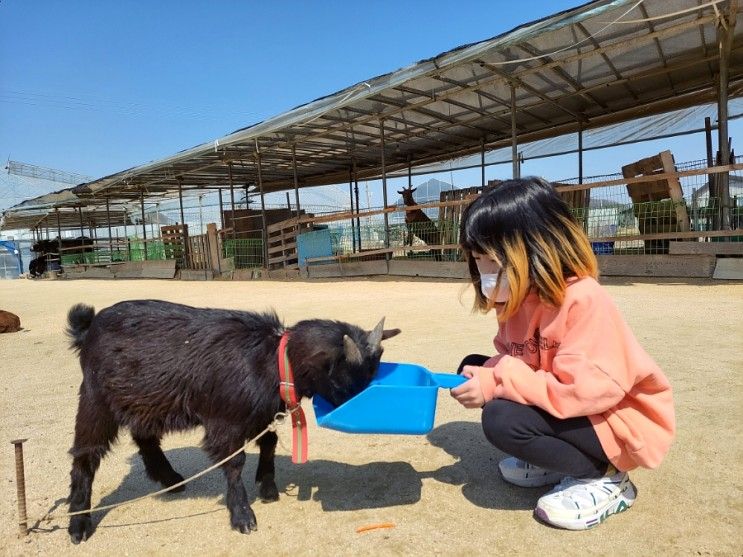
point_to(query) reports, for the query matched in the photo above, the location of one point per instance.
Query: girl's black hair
(528, 213)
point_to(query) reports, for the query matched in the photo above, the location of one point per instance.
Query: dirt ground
(441, 491)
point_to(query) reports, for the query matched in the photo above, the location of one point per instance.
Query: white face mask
(488, 284)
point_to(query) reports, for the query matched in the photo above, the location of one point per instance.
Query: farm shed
(598, 65)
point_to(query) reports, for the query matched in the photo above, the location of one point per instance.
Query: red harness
(289, 396)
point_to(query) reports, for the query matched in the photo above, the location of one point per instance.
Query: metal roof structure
(604, 62)
(66, 218)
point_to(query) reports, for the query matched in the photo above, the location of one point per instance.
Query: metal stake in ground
(20, 482)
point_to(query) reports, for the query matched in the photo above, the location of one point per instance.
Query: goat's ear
(413, 189)
(389, 333)
(401, 192)
(353, 354)
(379, 334)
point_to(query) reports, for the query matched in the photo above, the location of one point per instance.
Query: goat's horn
(353, 354)
(375, 337)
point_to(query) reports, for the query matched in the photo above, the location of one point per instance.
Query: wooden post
(675, 192)
(213, 243)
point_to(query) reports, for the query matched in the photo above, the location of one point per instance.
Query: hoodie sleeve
(588, 369)
(500, 347)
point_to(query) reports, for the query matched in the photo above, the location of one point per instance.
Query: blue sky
(94, 87)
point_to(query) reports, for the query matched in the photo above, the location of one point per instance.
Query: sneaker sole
(525, 479)
(534, 481)
(623, 501)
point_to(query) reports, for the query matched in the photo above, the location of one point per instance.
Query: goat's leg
(156, 463)
(265, 473)
(95, 429)
(220, 444)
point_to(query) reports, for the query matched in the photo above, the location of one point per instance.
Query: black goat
(157, 367)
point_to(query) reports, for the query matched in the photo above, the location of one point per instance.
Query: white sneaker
(582, 504)
(523, 474)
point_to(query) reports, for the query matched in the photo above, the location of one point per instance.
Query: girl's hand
(469, 394)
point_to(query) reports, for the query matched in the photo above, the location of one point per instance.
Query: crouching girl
(571, 394)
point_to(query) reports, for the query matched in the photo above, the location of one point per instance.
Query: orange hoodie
(581, 359)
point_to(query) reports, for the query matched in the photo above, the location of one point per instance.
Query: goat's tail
(78, 322)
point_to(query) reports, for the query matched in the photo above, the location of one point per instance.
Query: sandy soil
(442, 490)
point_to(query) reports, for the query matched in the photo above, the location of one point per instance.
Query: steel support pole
(725, 38)
(384, 192)
(264, 229)
(184, 255)
(296, 177)
(232, 204)
(221, 209)
(206, 261)
(516, 172)
(482, 161)
(580, 155)
(180, 202)
(350, 197)
(110, 234)
(59, 232)
(82, 224)
(126, 235)
(144, 225)
(587, 202)
(708, 141)
(356, 193)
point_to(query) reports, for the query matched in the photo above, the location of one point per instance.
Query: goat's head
(407, 195)
(334, 359)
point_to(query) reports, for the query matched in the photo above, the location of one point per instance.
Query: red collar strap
(289, 396)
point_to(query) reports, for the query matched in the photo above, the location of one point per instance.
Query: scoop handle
(447, 380)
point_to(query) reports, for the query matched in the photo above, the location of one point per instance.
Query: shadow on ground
(339, 486)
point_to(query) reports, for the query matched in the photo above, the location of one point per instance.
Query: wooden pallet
(658, 204)
(658, 190)
(174, 238)
(282, 243)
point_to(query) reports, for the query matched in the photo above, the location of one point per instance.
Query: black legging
(568, 446)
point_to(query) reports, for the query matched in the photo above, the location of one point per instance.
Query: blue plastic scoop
(401, 399)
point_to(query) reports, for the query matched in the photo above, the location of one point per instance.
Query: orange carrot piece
(378, 526)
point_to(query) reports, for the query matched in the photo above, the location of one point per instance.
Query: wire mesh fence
(245, 253)
(611, 208)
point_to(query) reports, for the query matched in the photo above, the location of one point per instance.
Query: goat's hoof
(244, 521)
(80, 529)
(268, 492)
